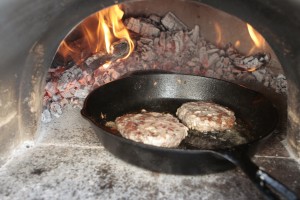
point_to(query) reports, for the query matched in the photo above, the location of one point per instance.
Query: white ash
(155, 18)
(70, 75)
(259, 75)
(179, 50)
(46, 116)
(81, 93)
(91, 59)
(55, 109)
(51, 88)
(172, 23)
(142, 27)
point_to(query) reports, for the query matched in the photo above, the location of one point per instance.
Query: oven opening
(127, 37)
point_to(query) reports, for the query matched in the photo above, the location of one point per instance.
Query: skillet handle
(262, 180)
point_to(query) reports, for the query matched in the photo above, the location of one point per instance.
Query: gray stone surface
(69, 129)
(273, 147)
(56, 172)
(68, 162)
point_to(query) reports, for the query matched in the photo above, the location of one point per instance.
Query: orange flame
(252, 69)
(237, 44)
(257, 39)
(218, 33)
(65, 49)
(98, 32)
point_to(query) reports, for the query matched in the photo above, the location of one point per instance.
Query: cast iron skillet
(165, 93)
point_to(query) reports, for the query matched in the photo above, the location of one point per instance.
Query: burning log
(247, 63)
(119, 50)
(251, 63)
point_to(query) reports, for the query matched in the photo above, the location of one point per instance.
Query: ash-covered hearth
(150, 42)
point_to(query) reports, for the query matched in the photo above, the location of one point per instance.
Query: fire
(97, 34)
(106, 65)
(237, 44)
(218, 33)
(65, 49)
(257, 38)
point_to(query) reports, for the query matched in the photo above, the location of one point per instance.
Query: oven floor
(68, 162)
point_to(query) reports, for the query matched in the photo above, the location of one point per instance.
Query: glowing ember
(106, 65)
(99, 32)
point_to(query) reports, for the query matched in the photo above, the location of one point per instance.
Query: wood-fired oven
(38, 41)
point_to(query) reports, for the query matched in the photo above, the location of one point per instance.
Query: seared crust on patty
(158, 129)
(206, 116)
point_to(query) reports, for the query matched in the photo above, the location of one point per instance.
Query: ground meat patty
(205, 116)
(158, 129)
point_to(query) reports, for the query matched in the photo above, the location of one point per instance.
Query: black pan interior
(256, 115)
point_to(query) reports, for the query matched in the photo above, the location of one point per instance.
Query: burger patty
(158, 129)
(205, 116)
